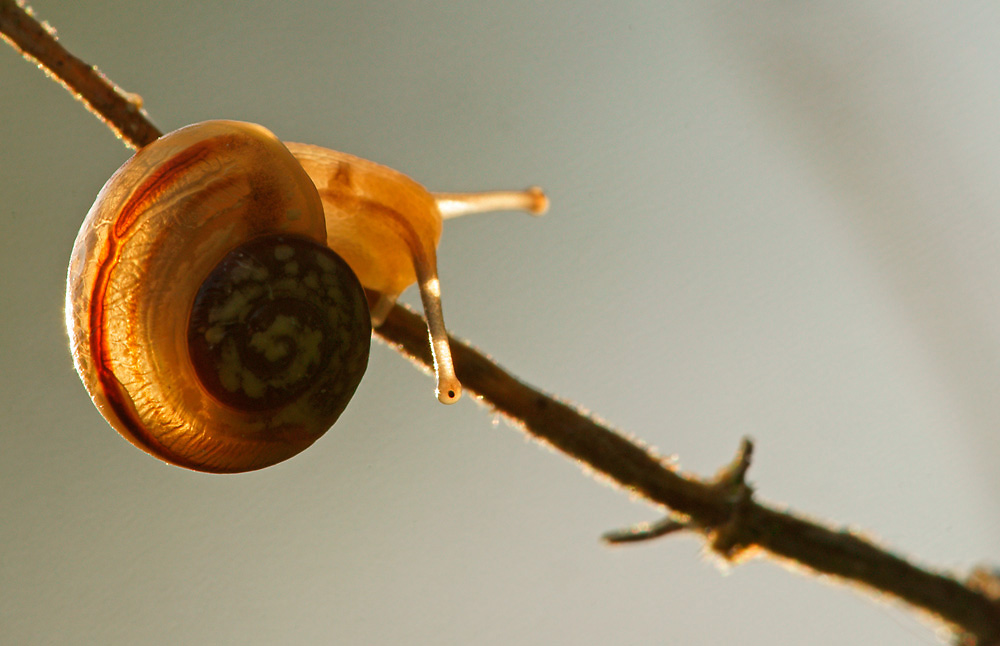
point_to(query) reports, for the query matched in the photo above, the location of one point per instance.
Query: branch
(36, 41)
(722, 509)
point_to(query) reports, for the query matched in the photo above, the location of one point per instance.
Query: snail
(223, 287)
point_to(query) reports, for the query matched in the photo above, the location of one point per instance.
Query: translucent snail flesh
(216, 300)
(387, 227)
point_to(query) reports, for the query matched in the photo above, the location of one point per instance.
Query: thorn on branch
(732, 477)
(727, 539)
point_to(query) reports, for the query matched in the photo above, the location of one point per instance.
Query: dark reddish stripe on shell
(150, 190)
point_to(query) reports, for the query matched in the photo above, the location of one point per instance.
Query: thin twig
(644, 531)
(723, 508)
(120, 111)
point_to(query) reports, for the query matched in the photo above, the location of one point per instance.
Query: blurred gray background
(770, 219)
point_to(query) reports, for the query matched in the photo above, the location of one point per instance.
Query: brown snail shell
(142, 318)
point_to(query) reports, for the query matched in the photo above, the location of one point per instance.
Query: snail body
(216, 300)
(387, 227)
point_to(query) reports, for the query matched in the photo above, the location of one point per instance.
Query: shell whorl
(274, 320)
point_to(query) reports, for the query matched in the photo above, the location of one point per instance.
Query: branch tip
(644, 531)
